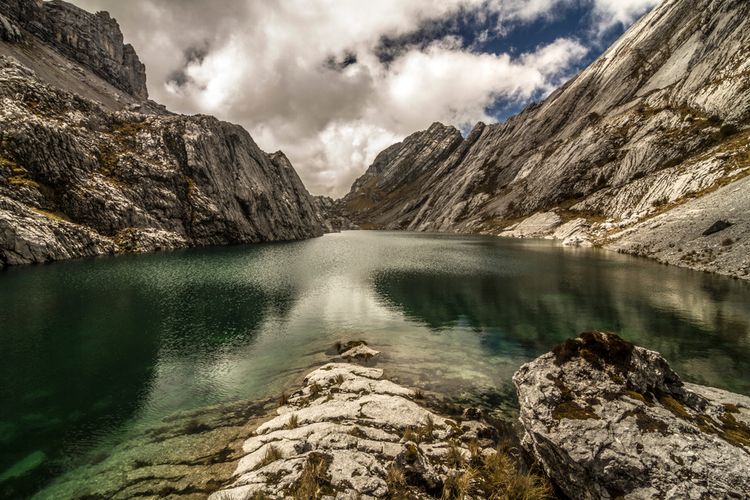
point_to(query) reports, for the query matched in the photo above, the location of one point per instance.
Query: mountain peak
(93, 40)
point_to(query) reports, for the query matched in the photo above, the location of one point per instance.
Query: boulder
(607, 419)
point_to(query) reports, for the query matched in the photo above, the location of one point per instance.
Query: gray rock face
(607, 419)
(348, 433)
(78, 180)
(9, 31)
(663, 117)
(330, 214)
(94, 40)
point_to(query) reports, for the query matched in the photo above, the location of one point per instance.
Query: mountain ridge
(660, 118)
(89, 166)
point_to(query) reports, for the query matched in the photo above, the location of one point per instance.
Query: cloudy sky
(333, 82)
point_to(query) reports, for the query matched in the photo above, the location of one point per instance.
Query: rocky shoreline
(599, 418)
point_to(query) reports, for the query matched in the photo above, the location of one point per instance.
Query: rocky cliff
(89, 167)
(94, 40)
(657, 123)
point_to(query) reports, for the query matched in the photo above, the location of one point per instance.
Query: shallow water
(94, 347)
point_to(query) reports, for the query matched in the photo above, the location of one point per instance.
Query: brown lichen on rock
(598, 348)
(573, 411)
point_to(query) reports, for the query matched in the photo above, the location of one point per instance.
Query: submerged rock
(607, 419)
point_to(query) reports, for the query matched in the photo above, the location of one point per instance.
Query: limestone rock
(607, 419)
(661, 119)
(78, 180)
(354, 429)
(94, 40)
(360, 353)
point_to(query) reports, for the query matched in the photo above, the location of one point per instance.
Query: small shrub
(727, 242)
(315, 389)
(314, 481)
(272, 454)
(454, 457)
(283, 399)
(339, 379)
(411, 435)
(476, 452)
(293, 421)
(357, 432)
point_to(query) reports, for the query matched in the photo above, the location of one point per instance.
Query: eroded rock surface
(94, 40)
(348, 433)
(78, 180)
(607, 419)
(658, 121)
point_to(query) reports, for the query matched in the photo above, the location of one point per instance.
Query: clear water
(92, 347)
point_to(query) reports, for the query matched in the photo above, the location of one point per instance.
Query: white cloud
(273, 66)
(624, 12)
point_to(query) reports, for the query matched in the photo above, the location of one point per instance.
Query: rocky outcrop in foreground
(633, 143)
(607, 419)
(348, 433)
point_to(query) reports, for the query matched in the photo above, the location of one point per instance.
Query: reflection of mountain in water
(67, 384)
(674, 313)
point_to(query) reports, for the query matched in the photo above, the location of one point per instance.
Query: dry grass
(293, 421)
(454, 457)
(458, 486)
(314, 481)
(498, 478)
(395, 478)
(272, 454)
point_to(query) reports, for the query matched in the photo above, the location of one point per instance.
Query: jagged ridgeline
(89, 166)
(649, 146)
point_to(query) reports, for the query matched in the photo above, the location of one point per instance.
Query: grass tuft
(272, 454)
(314, 481)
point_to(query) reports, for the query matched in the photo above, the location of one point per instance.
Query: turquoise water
(92, 347)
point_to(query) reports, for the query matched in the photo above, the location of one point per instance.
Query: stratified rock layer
(607, 419)
(94, 40)
(658, 121)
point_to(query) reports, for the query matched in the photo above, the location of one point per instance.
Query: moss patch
(677, 408)
(647, 423)
(573, 411)
(58, 216)
(598, 348)
(637, 396)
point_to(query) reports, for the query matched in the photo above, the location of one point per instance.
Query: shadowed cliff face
(94, 40)
(661, 118)
(83, 174)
